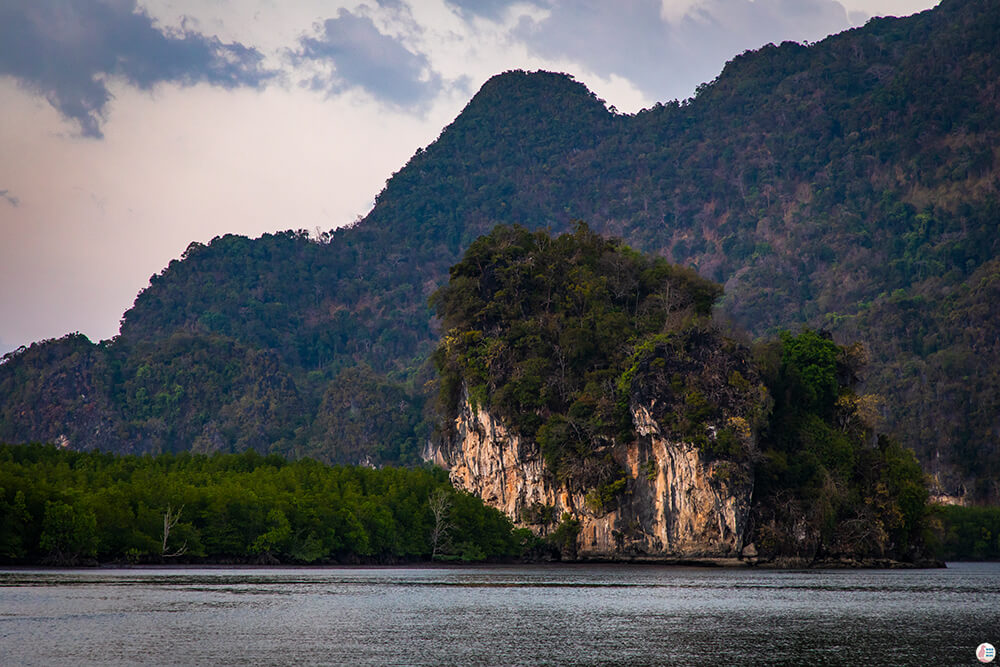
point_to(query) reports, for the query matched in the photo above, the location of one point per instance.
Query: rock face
(674, 505)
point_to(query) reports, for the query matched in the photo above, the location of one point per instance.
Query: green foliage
(68, 533)
(688, 375)
(14, 520)
(809, 368)
(563, 538)
(603, 499)
(278, 536)
(967, 533)
(207, 392)
(69, 507)
(826, 484)
(555, 335)
(362, 415)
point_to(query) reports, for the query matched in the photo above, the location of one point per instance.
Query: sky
(131, 128)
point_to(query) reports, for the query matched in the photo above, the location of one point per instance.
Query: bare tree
(170, 520)
(440, 504)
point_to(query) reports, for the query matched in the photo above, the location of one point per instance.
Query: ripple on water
(555, 615)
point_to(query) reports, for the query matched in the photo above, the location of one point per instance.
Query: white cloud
(673, 11)
(667, 50)
(864, 9)
(270, 25)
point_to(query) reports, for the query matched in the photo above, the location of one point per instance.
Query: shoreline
(786, 563)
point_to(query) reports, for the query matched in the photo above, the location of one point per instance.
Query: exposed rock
(675, 504)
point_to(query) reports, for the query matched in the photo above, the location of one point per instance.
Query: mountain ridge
(850, 184)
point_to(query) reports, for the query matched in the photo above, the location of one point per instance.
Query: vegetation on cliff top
(557, 334)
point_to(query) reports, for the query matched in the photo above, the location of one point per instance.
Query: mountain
(849, 185)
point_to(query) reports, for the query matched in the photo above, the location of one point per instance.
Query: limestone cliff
(674, 504)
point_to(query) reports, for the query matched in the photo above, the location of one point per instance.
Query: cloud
(9, 198)
(869, 8)
(675, 10)
(68, 51)
(491, 9)
(858, 17)
(668, 47)
(619, 38)
(364, 57)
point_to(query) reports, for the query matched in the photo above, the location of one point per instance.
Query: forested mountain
(850, 185)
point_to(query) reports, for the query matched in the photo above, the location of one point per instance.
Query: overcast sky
(130, 129)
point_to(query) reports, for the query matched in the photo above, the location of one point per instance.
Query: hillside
(850, 185)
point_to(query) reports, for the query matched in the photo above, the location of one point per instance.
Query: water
(518, 615)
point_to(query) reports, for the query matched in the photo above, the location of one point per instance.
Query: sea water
(498, 615)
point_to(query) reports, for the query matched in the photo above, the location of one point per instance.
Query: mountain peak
(538, 85)
(552, 101)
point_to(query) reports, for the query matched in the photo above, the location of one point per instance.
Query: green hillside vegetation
(850, 185)
(968, 533)
(827, 483)
(551, 334)
(61, 507)
(564, 337)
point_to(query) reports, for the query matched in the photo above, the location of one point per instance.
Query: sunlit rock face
(675, 504)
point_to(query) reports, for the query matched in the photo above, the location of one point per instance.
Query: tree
(169, 521)
(276, 539)
(14, 517)
(68, 533)
(440, 504)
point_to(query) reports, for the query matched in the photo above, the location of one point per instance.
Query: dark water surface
(518, 615)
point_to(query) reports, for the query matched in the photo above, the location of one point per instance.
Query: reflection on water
(518, 615)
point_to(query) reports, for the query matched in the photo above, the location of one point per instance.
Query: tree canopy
(63, 507)
(555, 334)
